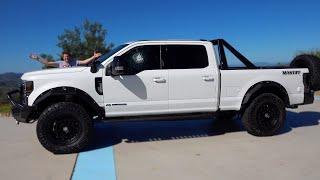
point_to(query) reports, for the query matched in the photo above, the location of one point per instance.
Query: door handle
(207, 78)
(159, 80)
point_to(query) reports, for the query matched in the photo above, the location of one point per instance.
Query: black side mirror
(94, 66)
(117, 66)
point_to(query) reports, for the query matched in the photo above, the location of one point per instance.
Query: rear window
(184, 56)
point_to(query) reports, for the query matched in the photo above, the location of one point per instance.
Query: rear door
(193, 86)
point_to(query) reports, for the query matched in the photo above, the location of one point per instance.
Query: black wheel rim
(64, 131)
(268, 116)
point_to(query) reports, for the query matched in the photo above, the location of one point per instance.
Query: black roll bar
(221, 43)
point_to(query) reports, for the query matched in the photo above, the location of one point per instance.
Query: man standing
(66, 60)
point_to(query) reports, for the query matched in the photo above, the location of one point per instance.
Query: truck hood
(31, 75)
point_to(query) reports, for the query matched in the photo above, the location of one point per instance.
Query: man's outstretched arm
(43, 60)
(89, 60)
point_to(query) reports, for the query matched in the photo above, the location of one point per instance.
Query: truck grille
(22, 98)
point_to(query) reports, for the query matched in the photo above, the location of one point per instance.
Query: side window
(184, 56)
(141, 58)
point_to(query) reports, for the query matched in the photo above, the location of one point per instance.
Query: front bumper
(21, 112)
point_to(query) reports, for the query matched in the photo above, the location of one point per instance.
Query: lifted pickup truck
(161, 79)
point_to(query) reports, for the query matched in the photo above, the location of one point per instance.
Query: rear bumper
(308, 92)
(308, 98)
(22, 113)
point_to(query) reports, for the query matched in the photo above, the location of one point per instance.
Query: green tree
(83, 40)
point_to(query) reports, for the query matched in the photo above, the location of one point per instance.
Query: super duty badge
(291, 72)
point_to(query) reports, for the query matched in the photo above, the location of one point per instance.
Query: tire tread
(50, 113)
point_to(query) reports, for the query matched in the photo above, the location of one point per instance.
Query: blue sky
(262, 30)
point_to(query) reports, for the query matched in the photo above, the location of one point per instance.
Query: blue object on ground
(95, 164)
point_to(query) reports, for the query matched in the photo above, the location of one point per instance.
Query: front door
(142, 90)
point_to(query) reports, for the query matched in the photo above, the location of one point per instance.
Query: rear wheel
(265, 115)
(64, 128)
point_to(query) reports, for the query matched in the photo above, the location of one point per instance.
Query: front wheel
(265, 115)
(64, 128)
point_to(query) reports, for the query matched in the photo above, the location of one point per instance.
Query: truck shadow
(110, 133)
(301, 119)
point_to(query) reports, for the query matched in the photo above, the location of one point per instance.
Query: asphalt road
(196, 149)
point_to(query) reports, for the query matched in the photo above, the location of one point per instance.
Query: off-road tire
(313, 64)
(265, 115)
(54, 120)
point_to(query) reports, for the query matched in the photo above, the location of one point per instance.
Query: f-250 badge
(291, 72)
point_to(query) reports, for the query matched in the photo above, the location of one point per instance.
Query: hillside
(8, 81)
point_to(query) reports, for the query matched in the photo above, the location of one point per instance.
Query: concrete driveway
(22, 156)
(193, 149)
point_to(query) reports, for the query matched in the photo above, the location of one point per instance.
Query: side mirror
(117, 66)
(94, 66)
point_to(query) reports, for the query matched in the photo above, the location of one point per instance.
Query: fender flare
(70, 94)
(264, 87)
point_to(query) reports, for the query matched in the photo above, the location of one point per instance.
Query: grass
(5, 108)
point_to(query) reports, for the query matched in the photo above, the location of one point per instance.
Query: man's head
(66, 56)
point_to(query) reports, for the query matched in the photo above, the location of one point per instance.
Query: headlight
(28, 87)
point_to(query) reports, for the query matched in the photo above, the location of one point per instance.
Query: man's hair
(65, 52)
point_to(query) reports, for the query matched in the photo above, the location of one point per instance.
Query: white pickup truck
(157, 79)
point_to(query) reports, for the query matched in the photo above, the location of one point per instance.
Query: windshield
(111, 52)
